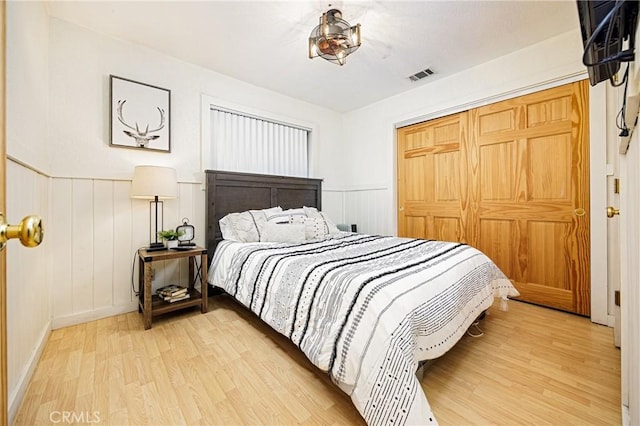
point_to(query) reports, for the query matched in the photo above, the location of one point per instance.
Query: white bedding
(366, 309)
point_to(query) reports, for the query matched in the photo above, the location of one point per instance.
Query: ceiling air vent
(421, 74)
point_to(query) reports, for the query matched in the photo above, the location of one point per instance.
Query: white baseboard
(626, 421)
(16, 395)
(87, 316)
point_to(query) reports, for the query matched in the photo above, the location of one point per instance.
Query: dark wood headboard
(230, 192)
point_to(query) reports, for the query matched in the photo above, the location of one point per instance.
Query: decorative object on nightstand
(171, 237)
(154, 183)
(187, 234)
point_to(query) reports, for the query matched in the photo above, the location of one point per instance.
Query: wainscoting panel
(122, 237)
(61, 288)
(98, 230)
(103, 243)
(81, 235)
(368, 208)
(28, 280)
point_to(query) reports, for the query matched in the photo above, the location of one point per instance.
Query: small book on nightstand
(177, 298)
(172, 293)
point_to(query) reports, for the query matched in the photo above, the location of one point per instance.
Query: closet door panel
(432, 179)
(498, 166)
(549, 168)
(535, 173)
(416, 227)
(447, 229)
(497, 239)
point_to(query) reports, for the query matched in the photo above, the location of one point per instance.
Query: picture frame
(140, 115)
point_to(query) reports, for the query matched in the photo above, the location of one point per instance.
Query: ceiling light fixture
(334, 38)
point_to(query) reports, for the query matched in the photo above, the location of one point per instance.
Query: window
(244, 143)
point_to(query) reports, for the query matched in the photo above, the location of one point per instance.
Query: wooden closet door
(511, 179)
(432, 179)
(531, 187)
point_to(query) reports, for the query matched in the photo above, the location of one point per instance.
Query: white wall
(81, 62)
(629, 220)
(28, 83)
(28, 270)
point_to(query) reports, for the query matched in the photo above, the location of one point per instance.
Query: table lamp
(154, 183)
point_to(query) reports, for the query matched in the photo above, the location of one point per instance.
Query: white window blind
(244, 143)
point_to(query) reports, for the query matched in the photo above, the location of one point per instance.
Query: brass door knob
(612, 211)
(30, 231)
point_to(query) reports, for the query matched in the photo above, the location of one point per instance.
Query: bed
(365, 309)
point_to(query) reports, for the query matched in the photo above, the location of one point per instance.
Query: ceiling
(265, 42)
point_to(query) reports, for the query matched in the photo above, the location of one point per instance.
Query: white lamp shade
(151, 181)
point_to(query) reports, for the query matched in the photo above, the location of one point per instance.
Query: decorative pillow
(245, 226)
(287, 216)
(313, 213)
(314, 228)
(283, 233)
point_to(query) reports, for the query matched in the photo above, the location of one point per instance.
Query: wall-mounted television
(608, 34)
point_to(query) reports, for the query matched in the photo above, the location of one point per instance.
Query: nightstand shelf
(151, 305)
(159, 306)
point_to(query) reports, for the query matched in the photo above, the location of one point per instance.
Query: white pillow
(283, 233)
(272, 210)
(246, 226)
(313, 213)
(314, 228)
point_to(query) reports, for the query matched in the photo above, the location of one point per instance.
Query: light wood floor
(532, 366)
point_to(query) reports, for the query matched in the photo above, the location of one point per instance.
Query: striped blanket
(365, 309)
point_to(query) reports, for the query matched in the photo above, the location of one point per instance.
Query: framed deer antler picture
(140, 115)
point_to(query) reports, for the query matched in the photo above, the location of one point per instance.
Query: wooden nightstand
(150, 304)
